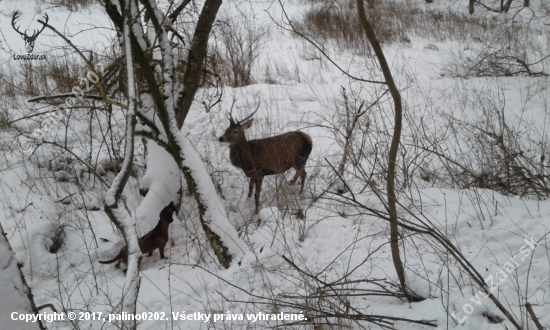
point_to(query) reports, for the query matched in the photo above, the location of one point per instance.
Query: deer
(273, 155)
(29, 40)
(156, 238)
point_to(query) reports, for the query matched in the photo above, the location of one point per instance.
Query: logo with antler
(29, 40)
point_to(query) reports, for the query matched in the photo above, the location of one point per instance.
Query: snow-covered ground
(338, 250)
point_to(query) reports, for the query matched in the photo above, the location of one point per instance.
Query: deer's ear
(247, 124)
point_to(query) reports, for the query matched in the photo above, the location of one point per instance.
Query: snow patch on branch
(216, 216)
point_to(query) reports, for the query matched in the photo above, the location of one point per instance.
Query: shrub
(393, 22)
(238, 46)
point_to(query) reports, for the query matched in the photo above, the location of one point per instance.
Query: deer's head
(235, 132)
(166, 213)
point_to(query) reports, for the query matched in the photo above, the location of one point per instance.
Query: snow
(503, 236)
(13, 293)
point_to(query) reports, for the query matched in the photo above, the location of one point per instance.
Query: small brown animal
(273, 155)
(156, 238)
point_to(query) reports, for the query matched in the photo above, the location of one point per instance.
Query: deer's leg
(250, 186)
(161, 250)
(293, 181)
(300, 171)
(258, 180)
(303, 175)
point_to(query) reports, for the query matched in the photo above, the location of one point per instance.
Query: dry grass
(393, 22)
(495, 44)
(72, 5)
(27, 79)
(56, 75)
(239, 42)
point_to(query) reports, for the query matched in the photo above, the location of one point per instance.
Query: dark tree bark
(506, 6)
(195, 60)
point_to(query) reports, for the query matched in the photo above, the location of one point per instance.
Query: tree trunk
(119, 217)
(507, 6)
(396, 96)
(195, 60)
(471, 6)
(172, 103)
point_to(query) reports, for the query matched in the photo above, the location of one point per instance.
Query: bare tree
(142, 79)
(171, 103)
(502, 6)
(122, 220)
(398, 119)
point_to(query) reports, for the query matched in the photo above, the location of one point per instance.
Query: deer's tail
(307, 146)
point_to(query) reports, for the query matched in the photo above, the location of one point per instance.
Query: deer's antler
(230, 117)
(252, 114)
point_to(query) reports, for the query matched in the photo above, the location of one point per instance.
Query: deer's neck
(241, 155)
(162, 227)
